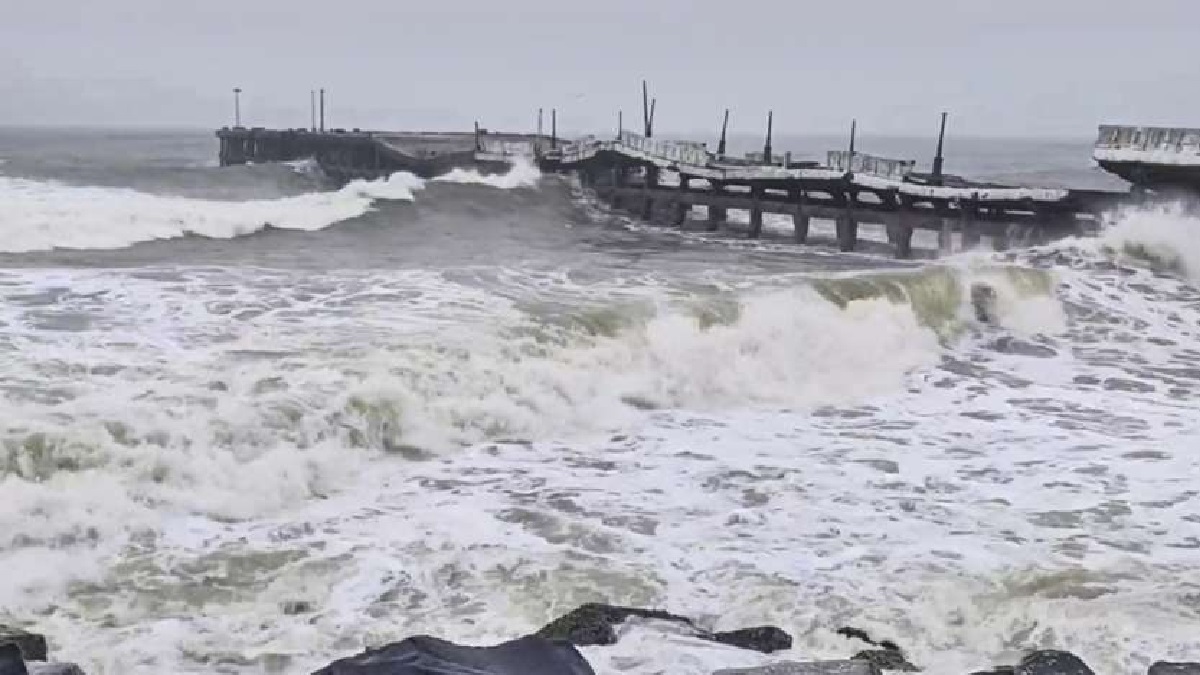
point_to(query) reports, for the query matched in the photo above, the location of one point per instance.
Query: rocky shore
(552, 650)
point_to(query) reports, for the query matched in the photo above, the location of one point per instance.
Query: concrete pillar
(945, 236)
(716, 214)
(800, 223)
(900, 234)
(681, 207)
(756, 214)
(847, 225)
(847, 232)
(968, 224)
(650, 184)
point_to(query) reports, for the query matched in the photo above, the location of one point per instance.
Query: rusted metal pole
(554, 127)
(938, 159)
(322, 110)
(767, 145)
(650, 128)
(645, 109)
(724, 129)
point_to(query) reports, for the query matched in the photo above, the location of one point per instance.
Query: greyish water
(460, 407)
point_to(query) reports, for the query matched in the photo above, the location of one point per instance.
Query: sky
(1054, 68)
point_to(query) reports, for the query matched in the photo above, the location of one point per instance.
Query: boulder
(33, 646)
(595, 624)
(423, 655)
(1052, 662)
(1168, 668)
(806, 668)
(36, 668)
(11, 662)
(765, 639)
(886, 659)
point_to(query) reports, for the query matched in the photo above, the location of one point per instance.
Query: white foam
(522, 174)
(1167, 232)
(40, 216)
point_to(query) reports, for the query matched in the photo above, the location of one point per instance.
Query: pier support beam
(800, 217)
(756, 212)
(650, 184)
(847, 225)
(900, 227)
(717, 215)
(681, 207)
(968, 224)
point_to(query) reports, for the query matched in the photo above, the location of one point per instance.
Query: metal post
(554, 127)
(312, 109)
(477, 146)
(645, 110)
(724, 129)
(650, 129)
(539, 133)
(322, 110)
(767, 145)
(938, 159)
(620, 123)
(237, 107)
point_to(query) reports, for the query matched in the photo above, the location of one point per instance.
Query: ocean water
(461, 407)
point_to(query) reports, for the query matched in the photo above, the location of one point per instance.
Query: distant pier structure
(1151, 158)
(664, 180)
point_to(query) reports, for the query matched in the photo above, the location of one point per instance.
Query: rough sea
(463, 406)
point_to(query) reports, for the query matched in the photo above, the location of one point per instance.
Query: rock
(595, 624)
(765, 639)
(998, 670)
(809, 668)
(11, 662)
(54, 669)
(886, 659)
(983, 299)
(424, 655)
(294, 607)
(33, 646)
(1052, 662)
(859, 634)
(1168, 668)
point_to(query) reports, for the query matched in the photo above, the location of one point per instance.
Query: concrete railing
(859, 162)
(690, 154)
(1152, 145)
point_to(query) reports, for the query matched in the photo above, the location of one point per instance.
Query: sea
(252, 421)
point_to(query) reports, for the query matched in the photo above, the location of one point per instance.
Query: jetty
(666, 180)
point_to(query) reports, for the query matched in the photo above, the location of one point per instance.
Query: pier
(663, 181)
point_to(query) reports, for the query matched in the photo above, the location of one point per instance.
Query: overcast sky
(1001, 67)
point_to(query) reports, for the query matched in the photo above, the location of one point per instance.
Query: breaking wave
(1162, 237)
(47, 215)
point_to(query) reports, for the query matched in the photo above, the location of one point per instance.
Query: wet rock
(807, 668)
(983, 300)
(765, 639)
(595, 624)
(294, 607)
(1052, 662)
(998, 670)
(32, 646)
(423, 655)
(886, 659)
(1168, 668)
(11, 662)
(36, 668)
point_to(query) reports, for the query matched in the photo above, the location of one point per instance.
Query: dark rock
(595, 624)
(11, 662)
(886, 659)
(1168, 668)
(53, 669)
(294, 607)
(33, 647)
(860, 634)
(1052, 662)
(765, 639)
(998, 670)
(809, 668)
(423, 655)
(983, 300)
